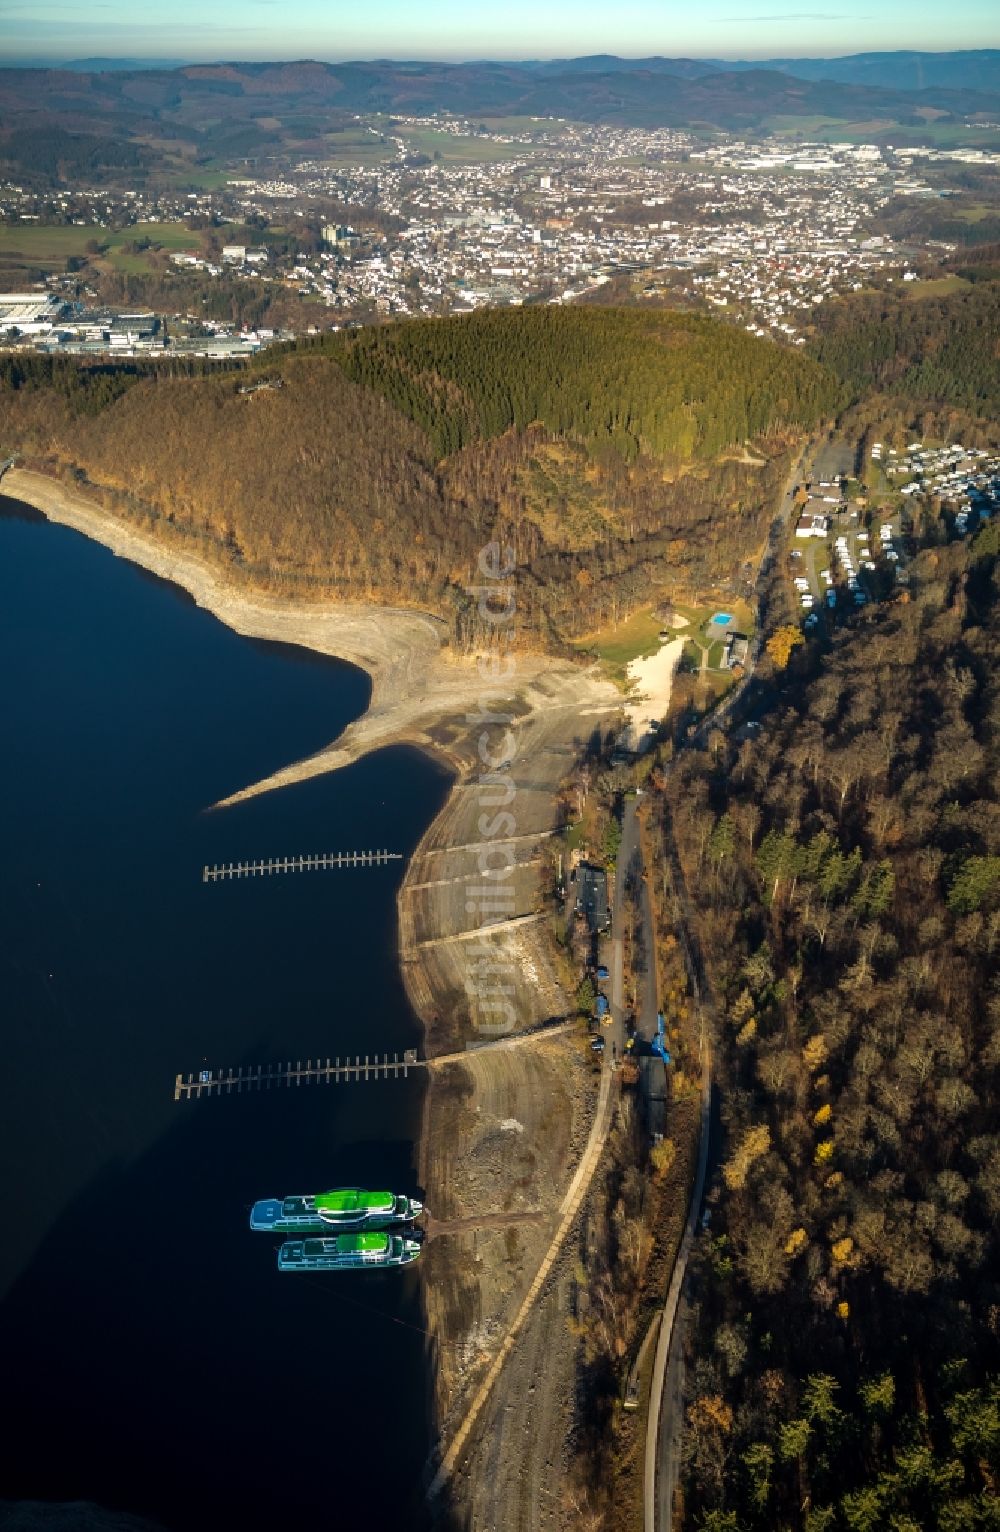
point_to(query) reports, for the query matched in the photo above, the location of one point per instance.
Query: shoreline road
(671, 1432)
(722, 712)
(626, 852)
(664, 1422)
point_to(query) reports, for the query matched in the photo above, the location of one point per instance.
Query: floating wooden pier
(316, 863)
(250, 1077)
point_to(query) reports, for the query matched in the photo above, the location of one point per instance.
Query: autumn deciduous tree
(781, 643)
(662, 1155)
(754, 1143)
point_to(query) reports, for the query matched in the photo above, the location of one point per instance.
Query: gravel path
(569, 1207)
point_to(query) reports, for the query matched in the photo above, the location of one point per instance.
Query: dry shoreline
(501, 1133)
(420, 691)
(394, 646)
(423, 696)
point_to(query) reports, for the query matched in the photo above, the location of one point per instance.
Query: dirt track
(503, 1132)
(445, 895)
(508, 1396)
(513, 1479)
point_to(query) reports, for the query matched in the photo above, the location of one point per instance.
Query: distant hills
(103, 65)
(903, 70)
(227, 111)
(971, 70)
(91, 65)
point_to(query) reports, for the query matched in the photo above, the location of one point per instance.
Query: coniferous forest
(666, 384)
(936, 350)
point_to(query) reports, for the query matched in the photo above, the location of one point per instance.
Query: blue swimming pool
(722, 618)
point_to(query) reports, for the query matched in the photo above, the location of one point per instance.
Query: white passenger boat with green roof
(348, 1252)
(342, 1211)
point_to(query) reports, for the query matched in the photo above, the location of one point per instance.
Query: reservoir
(155, 1361)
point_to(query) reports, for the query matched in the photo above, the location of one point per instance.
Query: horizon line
(34, 59)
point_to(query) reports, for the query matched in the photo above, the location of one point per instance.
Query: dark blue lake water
(153, 1358)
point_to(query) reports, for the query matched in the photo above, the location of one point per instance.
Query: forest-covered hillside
(667, 384)
(608, 446)
(938, 350)
(845, 865)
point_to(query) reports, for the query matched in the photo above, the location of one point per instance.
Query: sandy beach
(652, 678)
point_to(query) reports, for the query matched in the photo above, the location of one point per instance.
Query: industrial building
(29, 313)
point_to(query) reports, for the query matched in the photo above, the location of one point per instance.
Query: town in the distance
(435, 215)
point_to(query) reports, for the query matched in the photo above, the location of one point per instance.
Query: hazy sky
(450, 29)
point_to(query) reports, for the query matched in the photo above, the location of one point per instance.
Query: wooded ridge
(846, 865)
(938, 350)
(607, 446)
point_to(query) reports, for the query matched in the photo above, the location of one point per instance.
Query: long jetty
(216, 1082)
(320, 861)
(329, 1071)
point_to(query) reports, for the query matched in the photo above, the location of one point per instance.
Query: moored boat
(346, 1209)
(348, 1252)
